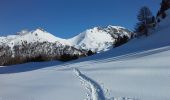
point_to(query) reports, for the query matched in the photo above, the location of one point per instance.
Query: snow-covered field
(138, 77)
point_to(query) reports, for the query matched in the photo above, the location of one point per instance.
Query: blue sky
(66, 18)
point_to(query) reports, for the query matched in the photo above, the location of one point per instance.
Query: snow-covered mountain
(96, 39)
(38, 35)
(99, 39)
(39, 43)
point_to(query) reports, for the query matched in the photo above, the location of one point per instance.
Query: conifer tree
(146, 21)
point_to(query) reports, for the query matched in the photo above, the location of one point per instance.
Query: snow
(93, 39)
(98, 39)
(165, 22)
(11, 45)
(2, 40)
(138, 78)
(94, 88)
(121, 30)
(42, 85)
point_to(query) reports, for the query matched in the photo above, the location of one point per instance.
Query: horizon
(64, 18)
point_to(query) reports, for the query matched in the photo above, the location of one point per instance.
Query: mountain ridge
(102, 38)
(40, 45)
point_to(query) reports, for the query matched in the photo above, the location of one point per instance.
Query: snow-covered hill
(99, 39)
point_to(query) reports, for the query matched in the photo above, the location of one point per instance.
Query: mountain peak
(40, 30)
(99, 39)
(116, 27)
(25, 31)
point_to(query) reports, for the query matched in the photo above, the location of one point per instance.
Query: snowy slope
(4, 40)
(99, 39)
(134, 78)
(93, 39)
